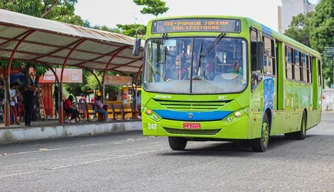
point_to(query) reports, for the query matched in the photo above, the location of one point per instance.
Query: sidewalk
(51, 129)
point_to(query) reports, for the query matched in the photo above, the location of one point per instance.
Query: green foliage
(322, 23)
(105, 28)
(130, 30)
(299, 29)
(322, 34)
(39, 69)
(154, 7)
(29, 7)
(92, 83)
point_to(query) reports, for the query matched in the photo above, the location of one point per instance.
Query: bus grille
(192, 105)
(192, 132)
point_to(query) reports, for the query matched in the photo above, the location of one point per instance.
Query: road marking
(77, 164)
(78, 146)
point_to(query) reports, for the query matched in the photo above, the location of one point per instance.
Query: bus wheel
(177, 143)
(301, 134)
(261, 144)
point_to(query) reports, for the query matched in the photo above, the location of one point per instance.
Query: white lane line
(77, 164)
(79, 146)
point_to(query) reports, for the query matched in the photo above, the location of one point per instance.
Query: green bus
(212, 78)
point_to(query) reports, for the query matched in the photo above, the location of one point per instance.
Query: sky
(112, 12)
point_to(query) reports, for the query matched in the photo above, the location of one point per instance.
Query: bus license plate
(191, 125)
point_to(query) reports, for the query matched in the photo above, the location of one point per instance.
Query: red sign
(191, 125)
(69, 76)
(12, 71)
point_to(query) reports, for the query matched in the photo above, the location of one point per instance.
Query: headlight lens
(151, 114)
(237, 114)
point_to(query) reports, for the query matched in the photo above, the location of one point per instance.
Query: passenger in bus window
(195, 65)
(236, 67)
(210, 66)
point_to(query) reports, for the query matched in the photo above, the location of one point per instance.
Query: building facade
(291, 8)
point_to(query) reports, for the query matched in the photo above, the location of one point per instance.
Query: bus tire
(261, 144)
(177, 143)
(301, 134)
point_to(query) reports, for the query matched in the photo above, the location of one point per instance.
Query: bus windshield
(174, 65)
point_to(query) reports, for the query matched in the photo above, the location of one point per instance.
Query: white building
(292, 8)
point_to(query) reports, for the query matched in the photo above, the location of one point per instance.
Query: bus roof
(252, 23)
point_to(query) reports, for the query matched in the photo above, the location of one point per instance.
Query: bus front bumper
(227, 128)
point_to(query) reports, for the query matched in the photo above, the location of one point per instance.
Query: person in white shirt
(13, 103)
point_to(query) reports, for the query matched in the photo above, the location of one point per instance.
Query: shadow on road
(234, 149)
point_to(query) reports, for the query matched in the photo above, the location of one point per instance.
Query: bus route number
(152, 126)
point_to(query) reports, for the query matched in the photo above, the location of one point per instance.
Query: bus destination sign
(196, 25)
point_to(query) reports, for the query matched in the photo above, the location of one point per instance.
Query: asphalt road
(131, 162)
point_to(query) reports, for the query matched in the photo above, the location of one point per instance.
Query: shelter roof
(50, 42)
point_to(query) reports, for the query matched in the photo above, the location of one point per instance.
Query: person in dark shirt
(28, 102)
(56, 97)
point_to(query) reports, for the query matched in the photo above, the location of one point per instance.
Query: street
(132, 162)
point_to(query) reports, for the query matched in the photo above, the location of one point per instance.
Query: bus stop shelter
(53, 43)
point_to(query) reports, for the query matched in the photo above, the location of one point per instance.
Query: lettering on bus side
(222, 97)
(163, 96)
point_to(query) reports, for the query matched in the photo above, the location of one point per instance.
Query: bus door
(279, 115)
(270, 82)
(317, 88)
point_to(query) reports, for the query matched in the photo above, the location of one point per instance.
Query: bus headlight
(151, 114)
(236, 115)
(148, 112)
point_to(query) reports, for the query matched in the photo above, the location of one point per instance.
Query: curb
(16, 135)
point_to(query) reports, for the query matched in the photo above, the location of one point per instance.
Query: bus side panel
(256, 110)
(292, 115)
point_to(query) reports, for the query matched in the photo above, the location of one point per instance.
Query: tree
(154, 7)
(299, 29)
(322, 33)
(130, 30)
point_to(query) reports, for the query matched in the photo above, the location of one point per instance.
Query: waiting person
(56, 97)
(28, 102)
(13, 105)
(69, 108)
(82, 98)
(100, 109)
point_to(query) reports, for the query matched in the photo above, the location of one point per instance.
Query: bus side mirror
(257, 52)
(136, 47)
(260, 54)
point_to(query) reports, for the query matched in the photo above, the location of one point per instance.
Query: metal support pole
(61, 106)
(7, 88)
(136, 85)
(106, 69)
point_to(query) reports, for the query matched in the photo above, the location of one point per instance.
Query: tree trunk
(36, 111)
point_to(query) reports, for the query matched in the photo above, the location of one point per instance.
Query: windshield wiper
(199, 56)
(207, 50)
(214, 43)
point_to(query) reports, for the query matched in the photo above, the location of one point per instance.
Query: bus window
(222, 67)
(297, 66)
(288, 62)
(303, 67)
(309, 69)
(319, 74)
(268, 56)
(256, 74)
